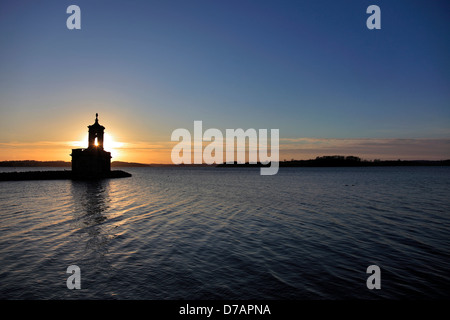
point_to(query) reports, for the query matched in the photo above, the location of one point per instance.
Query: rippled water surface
(229, 233)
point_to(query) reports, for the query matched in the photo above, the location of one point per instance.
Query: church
(93, 162)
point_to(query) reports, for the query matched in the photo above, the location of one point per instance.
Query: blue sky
(309, 68)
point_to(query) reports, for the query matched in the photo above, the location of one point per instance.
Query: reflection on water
(91, 201)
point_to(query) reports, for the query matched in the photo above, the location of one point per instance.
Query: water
(229, 233)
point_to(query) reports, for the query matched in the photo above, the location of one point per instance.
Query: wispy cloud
(38, 144)
(146, 146)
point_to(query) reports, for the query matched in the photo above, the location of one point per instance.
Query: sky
(311, 69)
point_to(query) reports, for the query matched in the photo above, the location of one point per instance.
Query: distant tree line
(324, 161)
(345, 161)
(33, 163)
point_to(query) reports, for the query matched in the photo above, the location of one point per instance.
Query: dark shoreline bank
(326, 161)
(58, 175)
(342, 161)
(307, 164)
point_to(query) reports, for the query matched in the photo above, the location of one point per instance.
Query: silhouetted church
(93, 162)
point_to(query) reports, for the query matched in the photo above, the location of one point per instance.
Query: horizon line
(235, 162)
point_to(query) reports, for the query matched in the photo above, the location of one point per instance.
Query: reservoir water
(229, 233)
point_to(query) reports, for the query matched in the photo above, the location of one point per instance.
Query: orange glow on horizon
(154, 152)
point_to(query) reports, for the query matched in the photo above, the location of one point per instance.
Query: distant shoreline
(344, 162)
(62, 164)
(326, 161)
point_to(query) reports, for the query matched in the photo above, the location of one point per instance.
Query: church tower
(96, 135)
(93, 162)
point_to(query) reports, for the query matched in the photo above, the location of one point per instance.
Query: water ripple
(174, 233)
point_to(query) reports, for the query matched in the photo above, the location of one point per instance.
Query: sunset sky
(311, 69)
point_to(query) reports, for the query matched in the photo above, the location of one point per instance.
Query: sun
(109, 144)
